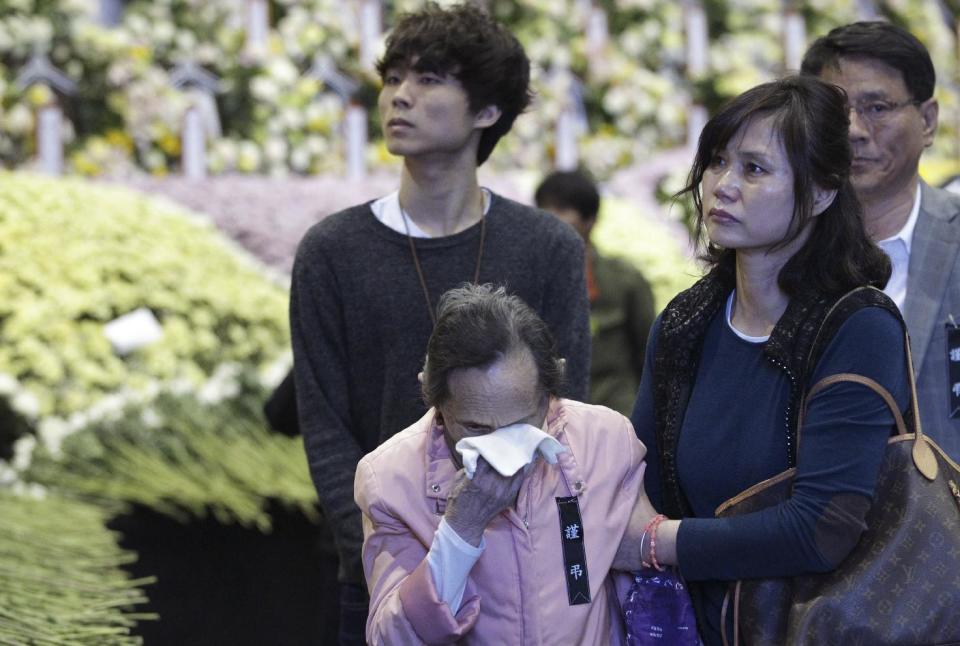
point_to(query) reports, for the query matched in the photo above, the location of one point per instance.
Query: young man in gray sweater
(366, 281)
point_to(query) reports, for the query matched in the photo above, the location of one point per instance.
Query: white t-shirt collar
(387, 210)
(728, 312)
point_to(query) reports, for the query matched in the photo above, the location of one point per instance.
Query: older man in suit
(889, 78)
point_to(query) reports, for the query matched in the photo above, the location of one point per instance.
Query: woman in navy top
(730, 359)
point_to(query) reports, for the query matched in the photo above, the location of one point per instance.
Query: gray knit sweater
(360, 326)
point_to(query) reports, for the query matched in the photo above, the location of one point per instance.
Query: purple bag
(658, 610)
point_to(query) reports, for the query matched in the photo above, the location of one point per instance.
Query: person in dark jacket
(730, 359)
(621, 301)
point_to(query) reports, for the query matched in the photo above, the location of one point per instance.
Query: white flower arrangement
(67, 276)
(120, 441)
(193, 450)
(126, 71)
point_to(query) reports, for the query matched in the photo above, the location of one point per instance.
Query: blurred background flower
(630, 64)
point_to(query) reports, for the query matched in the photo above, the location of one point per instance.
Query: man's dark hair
(876, 40)
(469, 44)
(569, 190)
(812, 120)
(478, 324)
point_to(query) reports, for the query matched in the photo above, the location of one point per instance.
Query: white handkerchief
(508, 449)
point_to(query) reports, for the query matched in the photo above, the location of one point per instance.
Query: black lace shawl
(795, 346)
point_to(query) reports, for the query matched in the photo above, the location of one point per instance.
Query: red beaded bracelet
(652, 525)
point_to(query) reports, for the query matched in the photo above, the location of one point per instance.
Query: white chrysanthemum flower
(248, 159)
(561, 57)
(120, 73)
(151, 418)
(222, 385)
(38, 31)
(139, 25)
(180, 387)
(186, 41)
(8, 384)
(317, 146)
(633, 42)
(283, 71)
(77, 421)
(163, 31)
(26, 403)
(275, 149)
(273, 374)
(108, 407)
(208, 53)
(540, 50)
(23, 452)
(330, 104)
(19, 120)
(300, 159)
(52, 431)
(617, 100)
(150, 391)
(265, 89)
(7, 475)
(29, 490)
(154, 159)
(86, 8)
(292, 118)
(228, 371)
(227, 150)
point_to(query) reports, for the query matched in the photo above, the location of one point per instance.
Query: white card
(133, 331)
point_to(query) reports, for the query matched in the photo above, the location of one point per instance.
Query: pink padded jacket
(516, 592)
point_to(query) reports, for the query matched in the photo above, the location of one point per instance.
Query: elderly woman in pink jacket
(456, 551)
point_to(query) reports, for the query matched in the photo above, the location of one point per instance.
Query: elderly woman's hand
(474, 503)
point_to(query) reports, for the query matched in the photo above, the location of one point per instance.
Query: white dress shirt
(897, 248)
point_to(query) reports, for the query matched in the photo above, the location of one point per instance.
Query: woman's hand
(474, 503)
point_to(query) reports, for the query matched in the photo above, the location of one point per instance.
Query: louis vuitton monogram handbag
(900, 584)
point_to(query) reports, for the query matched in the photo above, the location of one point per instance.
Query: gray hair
(478, 324)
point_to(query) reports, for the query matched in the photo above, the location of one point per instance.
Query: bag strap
(923, 456)
(735, 589)
(859, 379)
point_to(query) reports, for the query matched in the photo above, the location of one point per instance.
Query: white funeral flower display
(634, 89)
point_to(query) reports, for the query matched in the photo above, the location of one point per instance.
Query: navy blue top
(733, 436)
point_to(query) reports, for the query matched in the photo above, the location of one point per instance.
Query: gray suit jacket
(933, 294)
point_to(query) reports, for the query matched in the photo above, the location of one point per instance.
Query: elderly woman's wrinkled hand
(472, 504)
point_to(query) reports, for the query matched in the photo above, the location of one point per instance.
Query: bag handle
(923, 456)
(859, 379)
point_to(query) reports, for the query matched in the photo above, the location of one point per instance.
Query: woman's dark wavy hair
(478, 324)
(812, 120)
(466, 42)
